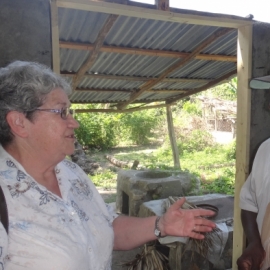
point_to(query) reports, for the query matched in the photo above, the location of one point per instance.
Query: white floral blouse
(48, 232)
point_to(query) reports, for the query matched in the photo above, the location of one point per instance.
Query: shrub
(102, 130)
(96, 129)
(197, 140)
(192, 108)
(231, 150)
(138, 126)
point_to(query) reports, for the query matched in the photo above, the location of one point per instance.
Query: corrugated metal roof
(83, 27)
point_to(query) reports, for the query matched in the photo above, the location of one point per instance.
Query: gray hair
(23, 88)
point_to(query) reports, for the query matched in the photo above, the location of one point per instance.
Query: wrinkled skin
(131, 232)
(186, 222)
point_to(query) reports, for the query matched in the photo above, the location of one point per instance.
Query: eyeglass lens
(65, 112)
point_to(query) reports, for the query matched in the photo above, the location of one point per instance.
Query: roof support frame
(172, 137)
(243, 73)
(244, 63)
(159, 53)
(127, 91)
(207, 86)
(163, 5)
(146, 13)
(55, 37)
(148, 85)
(135, 78)
(93, 56)
(140, 108)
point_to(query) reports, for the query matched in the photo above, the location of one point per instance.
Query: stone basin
(135, 187)
(153, 175)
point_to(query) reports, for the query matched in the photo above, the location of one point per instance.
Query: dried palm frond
(201, 246)
(149, 259)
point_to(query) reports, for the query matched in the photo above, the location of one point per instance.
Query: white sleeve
(111, 211)
(3, 245)
(248, 199)
(254, 195)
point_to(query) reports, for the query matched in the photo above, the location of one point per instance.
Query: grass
(105, 179)
(214, 166)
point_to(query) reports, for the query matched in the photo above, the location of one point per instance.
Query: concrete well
(136, 187)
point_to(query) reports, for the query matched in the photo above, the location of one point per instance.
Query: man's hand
(252, 257)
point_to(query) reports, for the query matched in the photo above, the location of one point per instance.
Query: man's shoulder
(264, 147)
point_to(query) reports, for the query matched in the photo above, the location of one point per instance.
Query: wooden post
(172, 137)
(163, 5)
(215, 115)
(244, 56)
(55, 37)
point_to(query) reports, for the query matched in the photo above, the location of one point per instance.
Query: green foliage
(196, 141)
(103, 131)
(192, 108)
(212, 163)
(105, 179)
(211, 166)
(138, 126)
(231, 150)
(96, 130)
(225, 91)
(222, 184)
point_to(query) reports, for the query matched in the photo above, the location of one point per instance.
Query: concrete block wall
(260, 99)
(25, 31)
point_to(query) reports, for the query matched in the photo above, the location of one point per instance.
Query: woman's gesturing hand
(186, 222)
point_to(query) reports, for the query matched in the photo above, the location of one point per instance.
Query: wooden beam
(179, 15)
(136, 51)
(163, 5)
(173, 141)
(128, 91)
(55, 37)
(167, 91)
(121, 111)
(205, 87)
(98, 43)
(134, 78)
(177, 65)
(244, 64)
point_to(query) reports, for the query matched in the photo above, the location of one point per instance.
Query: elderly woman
(57, 219)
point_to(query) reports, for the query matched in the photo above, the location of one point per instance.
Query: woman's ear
(16, 121)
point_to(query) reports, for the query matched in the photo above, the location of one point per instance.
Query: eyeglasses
(64, 112)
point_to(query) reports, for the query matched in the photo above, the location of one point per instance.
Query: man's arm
(254, 253)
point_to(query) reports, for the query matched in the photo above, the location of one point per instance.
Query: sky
(258, 8)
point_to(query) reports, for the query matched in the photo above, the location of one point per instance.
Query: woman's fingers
(201, 228)
(203, 212)
(197, 212)
(204, 222)
(197, 235)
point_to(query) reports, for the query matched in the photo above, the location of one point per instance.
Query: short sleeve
(248, 199)
(253, 195)
(3, 245)
(111, 211)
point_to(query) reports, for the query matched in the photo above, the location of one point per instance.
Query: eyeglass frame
(57, 111)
